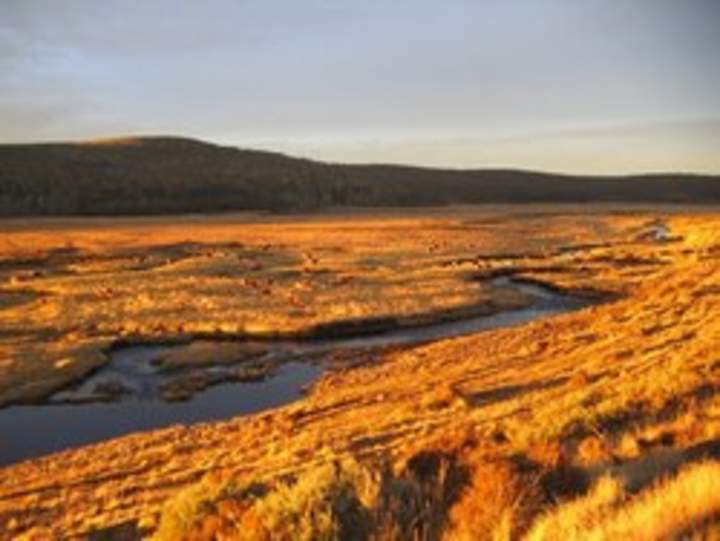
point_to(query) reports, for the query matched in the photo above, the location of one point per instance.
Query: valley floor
(569, 427)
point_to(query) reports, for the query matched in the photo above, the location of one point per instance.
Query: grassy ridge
(167, 175)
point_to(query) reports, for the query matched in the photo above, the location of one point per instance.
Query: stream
(72, 417)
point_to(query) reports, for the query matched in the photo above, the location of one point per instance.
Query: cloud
(252, 71)
(681, 146)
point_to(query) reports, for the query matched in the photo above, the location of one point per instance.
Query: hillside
(166, 175)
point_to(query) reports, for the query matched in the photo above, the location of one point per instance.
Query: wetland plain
(433, 355)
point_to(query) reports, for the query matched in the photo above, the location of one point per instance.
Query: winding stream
(34, 430)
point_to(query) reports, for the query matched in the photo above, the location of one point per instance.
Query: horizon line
(129, 138)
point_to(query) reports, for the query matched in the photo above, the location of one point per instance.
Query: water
(546, 303)
(35, 430)
(31, 431)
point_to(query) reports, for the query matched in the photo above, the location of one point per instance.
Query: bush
(338, 501)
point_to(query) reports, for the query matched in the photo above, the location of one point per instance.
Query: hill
(154, 175)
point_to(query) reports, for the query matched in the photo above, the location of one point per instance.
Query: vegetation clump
(343, 500)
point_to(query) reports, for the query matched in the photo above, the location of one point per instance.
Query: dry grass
(347, 501)
(83, 289)
(497, 504)
(686, 505)
(626, 389)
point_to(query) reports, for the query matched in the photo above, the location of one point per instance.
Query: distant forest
(164, 175)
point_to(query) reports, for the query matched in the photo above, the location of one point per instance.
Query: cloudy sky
(564, 85)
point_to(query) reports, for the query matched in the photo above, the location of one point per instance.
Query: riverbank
(573, 394)
(136, 389)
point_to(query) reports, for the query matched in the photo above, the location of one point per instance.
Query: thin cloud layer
(345, 73)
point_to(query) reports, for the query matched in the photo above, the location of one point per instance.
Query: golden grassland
(569, 427)
(70, 294)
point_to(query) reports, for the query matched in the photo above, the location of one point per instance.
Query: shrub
(496, 505)
(338, 501)
(323, 504)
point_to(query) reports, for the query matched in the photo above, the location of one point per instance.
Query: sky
(609, 86)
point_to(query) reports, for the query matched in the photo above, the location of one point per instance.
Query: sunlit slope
(534, 416)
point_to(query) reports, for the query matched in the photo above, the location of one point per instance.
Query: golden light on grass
(570, 426)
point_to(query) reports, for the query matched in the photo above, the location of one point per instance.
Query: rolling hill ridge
(161, 175)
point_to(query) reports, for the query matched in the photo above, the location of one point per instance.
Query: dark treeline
(169, 175)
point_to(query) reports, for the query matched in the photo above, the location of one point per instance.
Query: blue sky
(565, 85)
